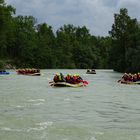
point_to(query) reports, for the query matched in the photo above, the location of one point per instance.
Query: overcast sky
(96, 15)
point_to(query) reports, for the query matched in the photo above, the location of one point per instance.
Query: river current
(30, 109)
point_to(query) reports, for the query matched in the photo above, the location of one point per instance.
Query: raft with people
(75, 80)
(29, 72)
(130, 79)
(92, 71)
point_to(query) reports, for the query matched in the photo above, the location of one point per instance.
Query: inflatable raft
(31, 74)
(91, 71)
(130, 83)
(4, 73)
(65, 84)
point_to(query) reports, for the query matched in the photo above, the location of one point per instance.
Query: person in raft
(75, 79)
(59, 78)
(69, 79)
(130, 77)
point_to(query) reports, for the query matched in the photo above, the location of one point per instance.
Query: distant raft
(65, 84)
(4, 73)
(130, 79)
(91, 71)
(29, 72)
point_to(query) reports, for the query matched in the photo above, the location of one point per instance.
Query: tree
(65, 38)
(25, 41)
(6, 12)
(46, 42)
(123, 36)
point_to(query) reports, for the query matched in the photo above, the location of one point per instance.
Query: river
(104, 110)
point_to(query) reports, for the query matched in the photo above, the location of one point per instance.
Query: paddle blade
(85, 82)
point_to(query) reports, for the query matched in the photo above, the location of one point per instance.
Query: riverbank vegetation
(25, 43)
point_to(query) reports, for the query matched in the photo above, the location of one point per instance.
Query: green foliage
(5, 26)
(1, 65)
(28, 44)
(125, 43)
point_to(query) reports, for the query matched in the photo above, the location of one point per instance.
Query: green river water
(104, 110)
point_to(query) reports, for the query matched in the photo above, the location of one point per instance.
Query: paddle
(85, 82)
(119, 80)
(51, 83)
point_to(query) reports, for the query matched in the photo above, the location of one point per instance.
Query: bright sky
(96, 15)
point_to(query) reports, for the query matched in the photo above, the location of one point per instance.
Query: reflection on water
(104, 110)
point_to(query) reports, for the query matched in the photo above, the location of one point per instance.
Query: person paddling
(56, 78)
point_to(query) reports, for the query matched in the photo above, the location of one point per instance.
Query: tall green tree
(6, 12)
(65, 37)
(123, 36)
(25, 41)
(46, 42)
